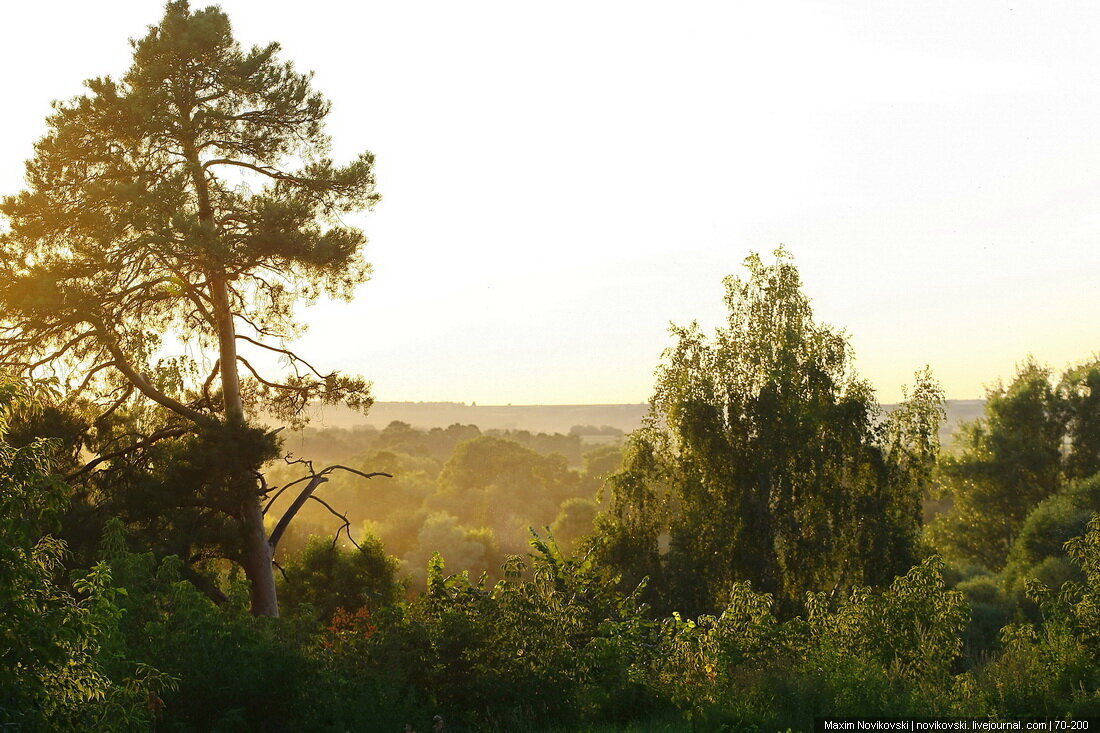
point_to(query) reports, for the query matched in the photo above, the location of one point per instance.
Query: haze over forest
(207, 522)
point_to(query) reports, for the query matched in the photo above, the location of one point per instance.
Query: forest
(181, 551)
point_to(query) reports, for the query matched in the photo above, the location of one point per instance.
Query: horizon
(575, 404)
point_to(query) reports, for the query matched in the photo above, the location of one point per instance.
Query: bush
(55, 657)
(330, 577)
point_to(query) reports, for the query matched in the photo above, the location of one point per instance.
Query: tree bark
(257, 554)
(227, 350)
(258, 563)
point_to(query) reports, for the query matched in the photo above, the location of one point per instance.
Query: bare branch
(315, 479)
(345, 527)
(372, 474)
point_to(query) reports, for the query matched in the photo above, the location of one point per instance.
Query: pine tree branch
(143, 384)
(287, 352)
(88, 378)
(61, 351)
(154, 438)
(265, 170)
(273, 385)
(129, 390)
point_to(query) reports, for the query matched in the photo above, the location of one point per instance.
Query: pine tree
(193, 197)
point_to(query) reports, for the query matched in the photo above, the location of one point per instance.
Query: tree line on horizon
(770, 546)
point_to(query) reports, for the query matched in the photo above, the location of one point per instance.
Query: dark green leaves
(763, 459)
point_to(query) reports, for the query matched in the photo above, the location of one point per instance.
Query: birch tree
(764, 457)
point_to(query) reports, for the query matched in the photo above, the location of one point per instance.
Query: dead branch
(345, 527)
(277, 534)
(315, 479)
(282, 489)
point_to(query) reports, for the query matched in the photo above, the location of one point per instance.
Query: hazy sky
(560, 180)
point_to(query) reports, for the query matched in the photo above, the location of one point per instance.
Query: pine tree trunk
(257, 561)
(257, 556)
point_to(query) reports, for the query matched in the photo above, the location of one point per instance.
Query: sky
(562, 180)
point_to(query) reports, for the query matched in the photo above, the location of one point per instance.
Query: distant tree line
(756, 555)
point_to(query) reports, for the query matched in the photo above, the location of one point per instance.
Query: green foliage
(913, 629)
(553, 640)
(329, 577)
(1038, 550)
(990, 611)
(554, 643)
(1036, 439)
(1079, 394)
(56, 658)
(231, 672)
(178, 497)
(437, 443)
(575, 522)
(763, 458)
(1051, 668)
(888, 652)
(600, 464)
(491, 472)
(1010, 461)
